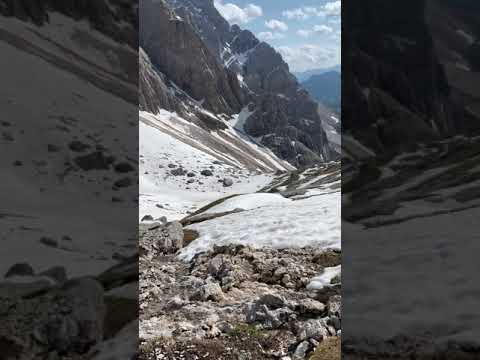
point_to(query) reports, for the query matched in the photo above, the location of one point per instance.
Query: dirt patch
(189, 235)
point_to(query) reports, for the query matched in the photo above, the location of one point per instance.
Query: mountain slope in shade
(69, 115)
(326, 88)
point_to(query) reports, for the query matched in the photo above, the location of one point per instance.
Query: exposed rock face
(395, 84)
(154, 94)
(176, 50)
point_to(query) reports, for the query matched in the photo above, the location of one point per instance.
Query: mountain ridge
(246, 73)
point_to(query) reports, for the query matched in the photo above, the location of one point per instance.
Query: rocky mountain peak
(243, 41)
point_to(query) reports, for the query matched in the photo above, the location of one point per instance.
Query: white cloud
(304, 33)
(276, 25)
(237, 15)
(268, 35)
(297, 14)
(330, 9)
(309, 56)
(333, 8)
(324, 29)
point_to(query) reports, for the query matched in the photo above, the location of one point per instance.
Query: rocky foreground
(48, 316)
(234, 302)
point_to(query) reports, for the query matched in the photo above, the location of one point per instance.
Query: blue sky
(305, 32)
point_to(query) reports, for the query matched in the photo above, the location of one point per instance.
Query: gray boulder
(227, 182)
(20, 269)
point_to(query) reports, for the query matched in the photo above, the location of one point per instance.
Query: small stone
(310, 306)
(53, 148)
(78, 146)
(56, 273)
(20, 269)
(124, 167)
(334, 305)
(206, 172)
(178, 171)
(210, 291)
(335, 322)
(147, 218)
(313, 328)
(272, 301)
(49, 241)
(123, 182)
(227, 182)
(301, 351)
(162, 219)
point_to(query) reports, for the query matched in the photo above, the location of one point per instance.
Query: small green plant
(247, 330)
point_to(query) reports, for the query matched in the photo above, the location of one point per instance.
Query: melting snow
(312, 221)
(325, 278)
(250, 201)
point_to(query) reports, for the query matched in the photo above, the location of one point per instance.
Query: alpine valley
(239, 195)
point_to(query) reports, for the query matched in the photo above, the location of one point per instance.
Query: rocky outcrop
(154, 94)
(159, 238)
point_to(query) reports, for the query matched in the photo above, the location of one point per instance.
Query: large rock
(66, 319)
(311, 329)
(160, 238)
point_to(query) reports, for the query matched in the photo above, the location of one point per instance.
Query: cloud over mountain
(237, 15)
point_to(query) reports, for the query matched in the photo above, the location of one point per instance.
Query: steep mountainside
(223, 70)
(326, 88)
(69, 163)
(410, 129)
(456, 34)
(400, 93)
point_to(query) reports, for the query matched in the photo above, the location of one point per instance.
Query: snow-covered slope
(175, 152)
(45, 193)
(308, 221)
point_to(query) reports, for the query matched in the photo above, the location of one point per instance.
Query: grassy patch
(242, 330)
(329, 349)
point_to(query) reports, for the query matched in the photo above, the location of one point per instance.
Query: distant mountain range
(326, 89)
(305, 75)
